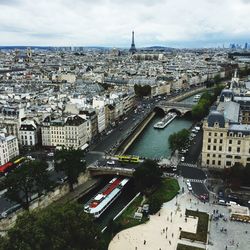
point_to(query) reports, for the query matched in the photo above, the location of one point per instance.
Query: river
(152, 143)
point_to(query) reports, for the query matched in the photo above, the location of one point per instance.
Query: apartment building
(28, 133)
(69, 132)
(224, 143)
(8, 148)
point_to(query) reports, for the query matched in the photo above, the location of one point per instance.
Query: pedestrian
(166, 229)
(118, 236)
(226, 247)
(172, 235)
(135, 248)
(166, 236)
(170, 242)
(144, 242)
(163, 230)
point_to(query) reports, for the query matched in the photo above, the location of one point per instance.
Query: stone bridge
(178, 107)
(106, 170)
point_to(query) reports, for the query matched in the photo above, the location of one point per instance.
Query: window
(229, 149)
(214, 148)
(209, 140)
(221, 134)
(215, 134)
(208, 162)
(221, 141)
(220, 148)
(228, 163)
(238, 150)
(214, 155)
(219, 163)
(208, 155)
(213, 162)
(230, 142)
(209, 133)
(208, 147)
(215, 140)
(237, 157)
(239, 142)
(219, 156)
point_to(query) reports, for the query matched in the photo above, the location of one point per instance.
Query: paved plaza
(163, 229)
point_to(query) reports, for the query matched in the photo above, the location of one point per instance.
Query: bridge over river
(177, 107)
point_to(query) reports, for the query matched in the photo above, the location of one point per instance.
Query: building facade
(8, 148)
(70, 132)
(224, 144)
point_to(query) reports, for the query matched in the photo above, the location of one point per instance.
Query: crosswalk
(196, 180)
(185, 164)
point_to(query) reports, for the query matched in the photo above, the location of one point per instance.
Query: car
(222, 202)
(111, 162)
(182, 159)
(51, 154)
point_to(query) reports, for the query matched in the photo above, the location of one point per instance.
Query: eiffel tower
(132, 48)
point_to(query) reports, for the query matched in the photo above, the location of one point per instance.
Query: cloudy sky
(178, 23)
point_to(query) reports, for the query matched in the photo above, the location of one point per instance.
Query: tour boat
(100, 202)
(165, 121)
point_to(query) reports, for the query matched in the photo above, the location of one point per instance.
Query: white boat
(165, 121)
(100, 202)
(196, 98)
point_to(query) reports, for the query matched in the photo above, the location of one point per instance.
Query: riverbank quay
(125, 144)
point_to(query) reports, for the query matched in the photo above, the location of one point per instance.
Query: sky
(172, 23)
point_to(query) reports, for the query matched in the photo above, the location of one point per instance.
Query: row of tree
(32, 178)
(179, 140)
(142, 91)
(200, 110)
(54, 228)
(237, 176)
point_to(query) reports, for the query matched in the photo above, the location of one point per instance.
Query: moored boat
(165, 121)
(100, 202)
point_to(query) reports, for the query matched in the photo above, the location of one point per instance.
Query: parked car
(51, 154)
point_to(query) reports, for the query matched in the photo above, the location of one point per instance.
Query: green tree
(147, 176)
(178, 141)
(29, 179)
(54, 228)
(142, 90)
(217, 78)
(70, 161)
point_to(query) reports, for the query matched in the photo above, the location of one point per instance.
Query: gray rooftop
(230, 109)
(244, 128)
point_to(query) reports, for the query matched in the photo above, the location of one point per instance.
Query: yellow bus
(129, 158)
(19, 160)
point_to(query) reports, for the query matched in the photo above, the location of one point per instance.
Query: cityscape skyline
(164, 23)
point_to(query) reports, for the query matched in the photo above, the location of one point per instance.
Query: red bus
(6, 168)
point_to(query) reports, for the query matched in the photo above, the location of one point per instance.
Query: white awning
(84, 146)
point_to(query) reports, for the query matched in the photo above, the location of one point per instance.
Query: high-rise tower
(132, 48)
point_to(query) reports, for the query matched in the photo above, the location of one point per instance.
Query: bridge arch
(175, 110)
(159, 110)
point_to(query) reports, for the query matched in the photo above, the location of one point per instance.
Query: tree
(70, 161)
(142, 90)
(147, 176)
(54, 228)
(178, 141)
(29, 179)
